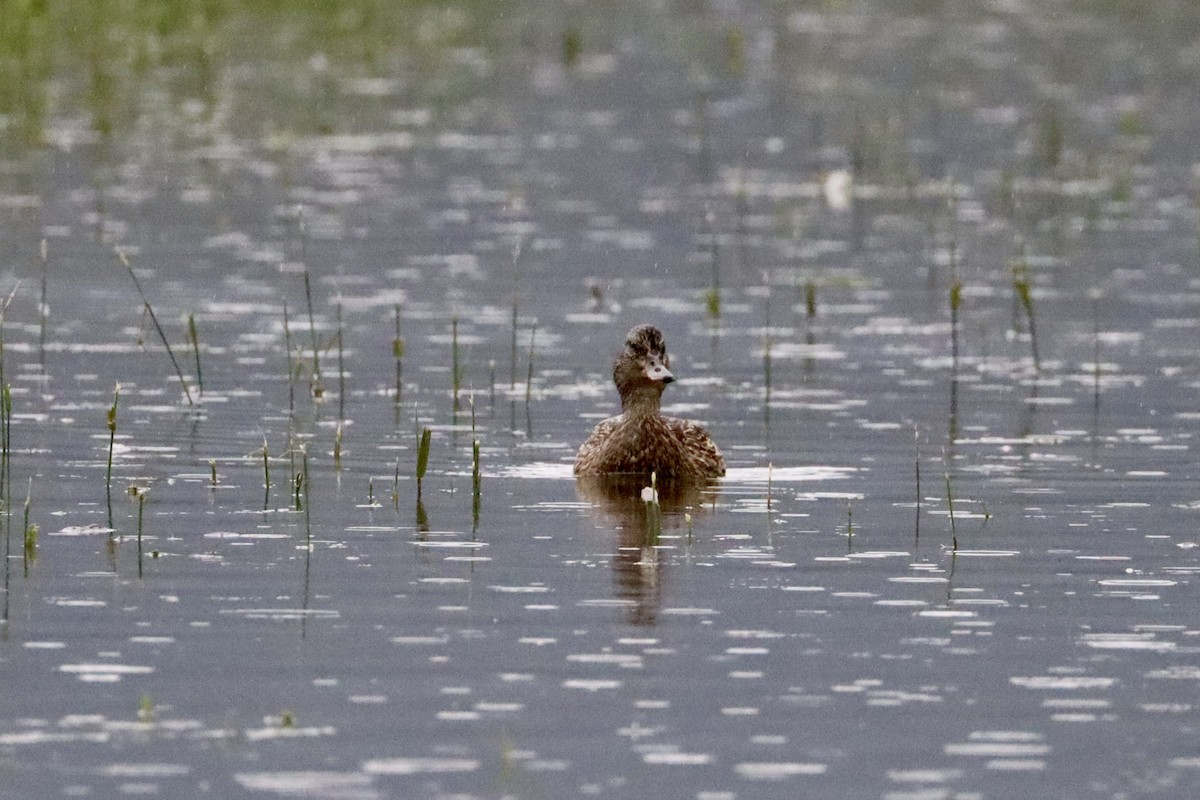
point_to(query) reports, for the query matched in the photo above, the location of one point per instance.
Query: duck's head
(643, 366)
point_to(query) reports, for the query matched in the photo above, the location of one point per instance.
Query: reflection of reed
(636, 566)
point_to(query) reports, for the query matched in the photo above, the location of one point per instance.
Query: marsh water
(928, 271)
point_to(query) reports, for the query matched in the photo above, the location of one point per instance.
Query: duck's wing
(701, 450)
(591, 452)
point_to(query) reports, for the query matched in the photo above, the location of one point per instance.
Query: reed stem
(194, 339)
(157, 327)
(112, 436)
(423, 458)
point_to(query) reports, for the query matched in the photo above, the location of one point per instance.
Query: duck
(640, 440)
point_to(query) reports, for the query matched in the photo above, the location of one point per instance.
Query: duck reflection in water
(638, 449)
(639, 523)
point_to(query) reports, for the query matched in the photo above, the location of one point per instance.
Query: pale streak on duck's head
(642, 370)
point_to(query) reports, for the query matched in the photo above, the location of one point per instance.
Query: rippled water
(937, 568)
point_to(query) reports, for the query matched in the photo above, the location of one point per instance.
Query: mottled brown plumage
(641, 440)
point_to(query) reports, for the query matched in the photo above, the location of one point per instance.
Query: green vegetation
(1023, 291)
(112, 437)
(423, 457)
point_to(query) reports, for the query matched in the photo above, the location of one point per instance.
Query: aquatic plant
(476, 485)
(157, 327)
(139, 494)
(650, 500)
(396, 487)
(950, 507)
(735, 49)
(770, 472)
(849, 525)
(529, 370)
(955, 303)
(297, 488)
(112, 436)
(712, 303)
(917, 473)
(30, 531)
(316, 385)
(572, 46)
(1023, 291)
(266, 462)
(145, 709)
(337, 446)
(423, 457)
(303, 479)
(194, 340)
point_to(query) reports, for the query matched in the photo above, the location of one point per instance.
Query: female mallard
(641, 440)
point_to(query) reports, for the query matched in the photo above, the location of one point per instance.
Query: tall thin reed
(955, 303)
(317, 387)
(396, 487)
(140, 494)
(423, 457)
(475, 474)
(194, 339)
(157, 327)
(31, 531)
(266, 462)
(849, 525)
(770, 471)
(304, 479)
(1024, 292)
(337, 447)
(112, 436)
(917, 471)
(529, 371)
(476, 485)
(950, 506)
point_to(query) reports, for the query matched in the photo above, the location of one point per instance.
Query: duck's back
(667, 446)
(700, 451)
